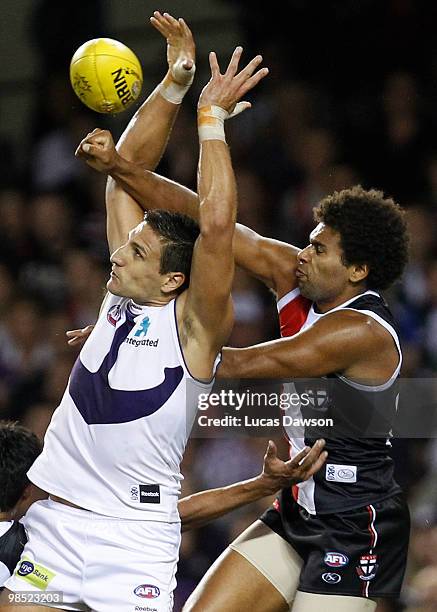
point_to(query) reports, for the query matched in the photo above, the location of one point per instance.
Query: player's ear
(172, 282)
(358, 273)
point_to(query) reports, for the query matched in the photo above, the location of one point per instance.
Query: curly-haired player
(346, 529)
(340, 540)
(372, 230)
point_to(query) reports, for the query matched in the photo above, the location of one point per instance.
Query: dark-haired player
(340, 543)
(109, 534)
(19, 448)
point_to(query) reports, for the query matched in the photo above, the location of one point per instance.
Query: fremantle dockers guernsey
(358, 470)
(116, 441)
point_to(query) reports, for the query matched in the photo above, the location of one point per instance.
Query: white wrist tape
(211, 123)
(175, 85)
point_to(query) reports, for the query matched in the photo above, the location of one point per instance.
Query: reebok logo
(149, 494)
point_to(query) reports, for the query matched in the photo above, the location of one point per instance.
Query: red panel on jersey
(293, 315)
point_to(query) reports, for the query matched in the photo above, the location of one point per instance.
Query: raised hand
(226, 90)
(278, 474)
(181, 50)
(98, 150)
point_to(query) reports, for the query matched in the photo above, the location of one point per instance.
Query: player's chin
(305, 288)
(113, 285)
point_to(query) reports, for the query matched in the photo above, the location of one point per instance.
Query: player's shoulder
(356, 325)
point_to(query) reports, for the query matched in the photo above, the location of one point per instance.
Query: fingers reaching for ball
(181, 50)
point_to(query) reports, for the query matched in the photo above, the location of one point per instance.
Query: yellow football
(106, 75)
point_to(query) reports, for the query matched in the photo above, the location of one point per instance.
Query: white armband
(175, 85)
(211, 123)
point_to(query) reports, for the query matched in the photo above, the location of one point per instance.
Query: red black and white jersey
(359, 469)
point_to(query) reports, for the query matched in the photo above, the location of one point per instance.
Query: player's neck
(154, 302)
(349, 293)
(6, 516)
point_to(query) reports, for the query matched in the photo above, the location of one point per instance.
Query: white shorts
(98, 563)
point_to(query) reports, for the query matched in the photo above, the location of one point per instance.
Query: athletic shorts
(360, 553)
(98, 563)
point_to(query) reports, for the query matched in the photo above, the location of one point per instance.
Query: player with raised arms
(109, 533)
(339, 543)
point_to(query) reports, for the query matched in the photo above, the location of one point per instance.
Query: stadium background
(350, 98)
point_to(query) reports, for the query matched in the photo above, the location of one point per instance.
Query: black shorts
(361, 552)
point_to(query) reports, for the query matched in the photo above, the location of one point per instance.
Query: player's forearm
(146, 136)
(274, 359)
(151, 190)
(201, 508)
(217, 190)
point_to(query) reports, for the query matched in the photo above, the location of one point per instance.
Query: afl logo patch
(147, 591)
(114, 314)
(335, 559)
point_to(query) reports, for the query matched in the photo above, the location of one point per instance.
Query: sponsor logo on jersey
(147, 591)
(331, 578)
(335, 559)
(140, 333)
(35, 574)
(26, 567)
(144, 342)
(145, 494)
(144, 326)
(114, 314)
(145, 609)
(149, 494)
(367, 567)
(341, 473)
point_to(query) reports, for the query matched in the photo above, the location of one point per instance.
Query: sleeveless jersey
(115, 442)
(358, 470)
(12, 542)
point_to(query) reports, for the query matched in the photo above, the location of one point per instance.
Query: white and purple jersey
(115, 442)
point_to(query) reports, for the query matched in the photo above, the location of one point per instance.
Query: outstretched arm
(200, 508)
(145, 138)
(132, 188)
(345, 342)
(206, 316)
(271, 261)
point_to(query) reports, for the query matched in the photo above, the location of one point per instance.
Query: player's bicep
(333, 344)
(123, 213)
(271, 261)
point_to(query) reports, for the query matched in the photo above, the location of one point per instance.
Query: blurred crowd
(355, 108)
